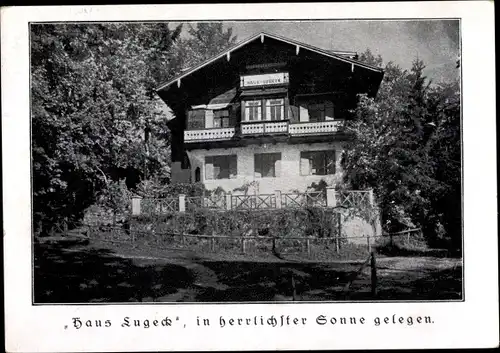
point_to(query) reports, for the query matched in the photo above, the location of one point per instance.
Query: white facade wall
(289, 178)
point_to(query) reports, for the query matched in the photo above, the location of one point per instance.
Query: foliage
(116, 197)
(205, 41)
(95, 115)
(406, 146)
(302, 222)
(154, 189)
(254, 184)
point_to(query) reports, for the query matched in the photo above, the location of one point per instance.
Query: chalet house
(267, 112)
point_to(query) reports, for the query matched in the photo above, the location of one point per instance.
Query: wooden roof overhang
(182, 88)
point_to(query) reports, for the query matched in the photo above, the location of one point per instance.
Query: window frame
(328, 163)
(231, 161)
(258, 162)
(323, 99)
(269, 107)
(222, 118)
(248, 106)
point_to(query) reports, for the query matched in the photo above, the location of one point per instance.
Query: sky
(436, 42)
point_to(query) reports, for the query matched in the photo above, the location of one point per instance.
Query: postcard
(249, 177)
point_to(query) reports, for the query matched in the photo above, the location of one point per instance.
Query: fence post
(136, 205)
(182, 203)
(294, 293)
(308, 246)
(277, 195)
(339, 235)
(243, 245)
(228, 201)
(368, 242)
(213, 242)
(330, 197)
(370, 197)
(373, 265)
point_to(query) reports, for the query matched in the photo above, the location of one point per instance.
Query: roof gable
(337, 55)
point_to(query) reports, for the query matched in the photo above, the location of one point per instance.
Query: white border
(473, 323)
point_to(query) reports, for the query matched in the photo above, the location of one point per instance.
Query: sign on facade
(264, 80)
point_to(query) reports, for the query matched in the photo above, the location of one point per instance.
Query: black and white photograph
(246, 161)
(209, 171)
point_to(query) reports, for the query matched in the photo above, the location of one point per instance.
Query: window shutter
(293, 113)
(329, 111)
(209, 119)
(209, 168)
(233, 167)
(234, 112)
(277, 166)
(330, 162)
(257, 165)
(304, 113)
(305, 164)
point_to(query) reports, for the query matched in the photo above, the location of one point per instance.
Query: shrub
(282, 223)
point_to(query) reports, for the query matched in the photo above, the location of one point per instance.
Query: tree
(205, 41)
(93, 110)
(403, 142)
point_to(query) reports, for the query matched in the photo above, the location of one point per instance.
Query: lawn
(83, 271)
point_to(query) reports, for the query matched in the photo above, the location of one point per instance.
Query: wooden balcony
(310, 128)
(264, 127)
(214, 134)
(272, 129)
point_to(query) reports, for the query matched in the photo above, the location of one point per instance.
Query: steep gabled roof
(339, 55)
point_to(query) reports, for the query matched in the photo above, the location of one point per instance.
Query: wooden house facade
(267, 112)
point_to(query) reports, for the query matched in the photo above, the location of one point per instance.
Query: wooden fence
(329, 198)
(216, 242)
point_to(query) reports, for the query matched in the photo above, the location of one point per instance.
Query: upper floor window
(275, 109)
(196, 119)
(317, 162)
(253, 110)
(265, 109)
(221, 118)
(221, 167)
(316, 110)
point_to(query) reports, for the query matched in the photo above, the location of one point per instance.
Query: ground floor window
(267, 165)
(221, 167)
(317, 162)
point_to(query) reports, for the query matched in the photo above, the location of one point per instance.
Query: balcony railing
(209, 134)
(309, 128)
(264, 127)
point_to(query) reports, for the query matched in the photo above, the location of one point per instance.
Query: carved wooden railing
(311, 199)
(264, 127)
(307, 128)
(247, 202)
(211, 202)
(209, 134)
(354, 198)
(160, 206)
